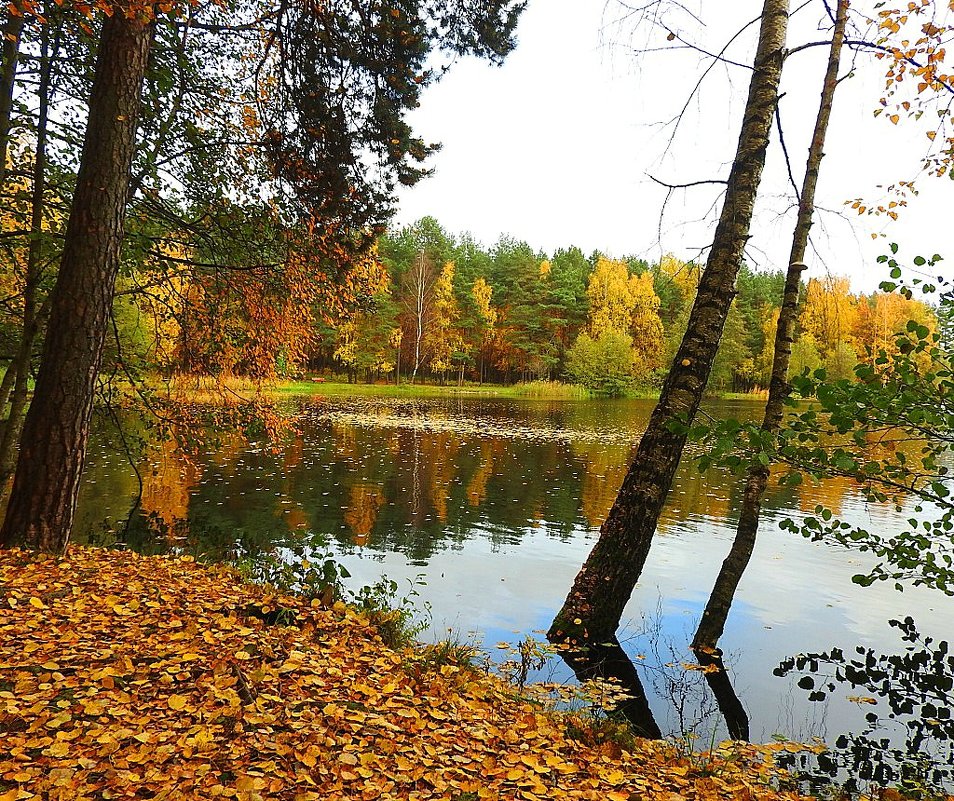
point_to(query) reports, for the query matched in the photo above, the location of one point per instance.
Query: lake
(487, 509)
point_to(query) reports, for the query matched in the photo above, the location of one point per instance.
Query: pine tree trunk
(717, 609)
(31, 284)
(9, 55)
(53, 443)
(594, 606)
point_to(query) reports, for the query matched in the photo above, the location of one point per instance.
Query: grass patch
(210, 389)
(535, 390)
(387, 390)
(550, 390)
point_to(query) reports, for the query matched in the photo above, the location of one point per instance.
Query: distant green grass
(547, 390)
(206, 388)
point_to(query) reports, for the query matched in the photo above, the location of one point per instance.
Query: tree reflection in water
(908, 737)
(441, 483)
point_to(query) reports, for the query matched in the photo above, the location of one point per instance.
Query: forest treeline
(429, 305)
(456, 310)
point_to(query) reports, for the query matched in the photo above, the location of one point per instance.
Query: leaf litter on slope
(123, 676)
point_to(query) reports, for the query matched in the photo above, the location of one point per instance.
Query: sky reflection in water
(496, 504)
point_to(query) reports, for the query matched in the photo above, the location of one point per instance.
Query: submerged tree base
(149, 677)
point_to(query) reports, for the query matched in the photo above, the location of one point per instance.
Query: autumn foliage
(125, 676)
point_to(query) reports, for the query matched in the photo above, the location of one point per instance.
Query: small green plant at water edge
(448, 656)
(530, 654)
(395, 618)
(321, 578)
(595, 729)
(550, 390)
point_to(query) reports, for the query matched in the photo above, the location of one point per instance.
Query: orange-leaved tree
(337, 144)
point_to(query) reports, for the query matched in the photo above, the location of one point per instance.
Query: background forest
(427, 305)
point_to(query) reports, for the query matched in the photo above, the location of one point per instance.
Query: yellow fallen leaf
(59, 749)
(614, 776)
(177, 702)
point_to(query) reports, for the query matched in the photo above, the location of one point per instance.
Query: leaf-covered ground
(124, 676)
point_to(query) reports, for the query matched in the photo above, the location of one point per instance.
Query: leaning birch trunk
(592, 611)
(717, 609)
(53, 444)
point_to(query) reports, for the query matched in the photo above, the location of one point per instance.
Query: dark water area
(487, 508)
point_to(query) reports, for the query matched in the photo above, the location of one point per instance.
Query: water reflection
(497, 503)
(908, 735)
(427, 482)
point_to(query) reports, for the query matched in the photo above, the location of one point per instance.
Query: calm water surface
(491, 506)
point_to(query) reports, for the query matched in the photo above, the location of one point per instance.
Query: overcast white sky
(555, 147)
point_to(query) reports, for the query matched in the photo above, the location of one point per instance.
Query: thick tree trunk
(717, 609)
(53, 444)
(9, 55)
(31, 283)
(594, 606)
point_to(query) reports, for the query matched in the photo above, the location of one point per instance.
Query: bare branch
(788, 161)
(673, 36)
(653, 178)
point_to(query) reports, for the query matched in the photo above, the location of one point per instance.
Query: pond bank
(202, 387)
(155, 677)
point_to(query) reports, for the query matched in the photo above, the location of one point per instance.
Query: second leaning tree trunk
(594, 606)
(53, 443)
(717, 609)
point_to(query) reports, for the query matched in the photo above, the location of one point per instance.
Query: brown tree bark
(594, 606)
(713, 619)
(9, 55)
(53, 443)
(6, 387)
(24, 357)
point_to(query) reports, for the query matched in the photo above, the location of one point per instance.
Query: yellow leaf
(37, 603)
(614, 776)
(247, 784)
(177, 702)
(59, 749)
